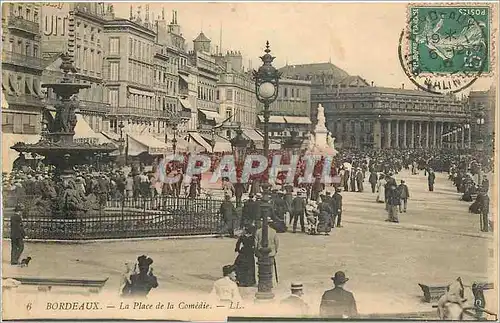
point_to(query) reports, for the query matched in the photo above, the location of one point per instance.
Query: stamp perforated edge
(492, 36)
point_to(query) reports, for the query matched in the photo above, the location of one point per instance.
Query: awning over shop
(211, 115)
(273, 119)
(138, 144)
(272, 145)
(185, 103)
(84, 133)
(222, 145)
(184, 78)
(111, 135)
(10, 155)
(199, 139)
(253, 135)
(297, 120)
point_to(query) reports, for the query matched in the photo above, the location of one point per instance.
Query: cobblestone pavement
(436, 241)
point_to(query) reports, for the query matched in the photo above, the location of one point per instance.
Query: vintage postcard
(213, 161)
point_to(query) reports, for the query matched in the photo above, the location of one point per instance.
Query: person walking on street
(373, 180)
(393, 201)
(431, 178)
(484, 209)
(228, 213)
(337, 302)
(294, 304)
(404, 195)
(16, 235)
(337, 208)
(299, 209)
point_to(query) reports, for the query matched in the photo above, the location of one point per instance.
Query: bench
(45, 284)
(432, 293)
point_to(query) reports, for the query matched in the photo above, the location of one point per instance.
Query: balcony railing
(22, 60)
(140, 112)
(22, 24)
(24, 99)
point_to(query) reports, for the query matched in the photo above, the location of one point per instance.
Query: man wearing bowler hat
(337, 302)
(294, 304)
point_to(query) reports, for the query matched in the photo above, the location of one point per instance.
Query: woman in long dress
(245, 261)
(381, 189)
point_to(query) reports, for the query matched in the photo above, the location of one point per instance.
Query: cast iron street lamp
(239, 145)
(266, 90)
(121, 141)
(480, 122)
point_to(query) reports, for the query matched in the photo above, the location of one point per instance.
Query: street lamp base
(261, 297)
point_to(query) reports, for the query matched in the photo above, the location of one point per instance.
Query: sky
(360, 38)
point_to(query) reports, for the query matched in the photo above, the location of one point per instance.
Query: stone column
(388, 134)
(396, 142)
(427, 134)
(412, 135)
(434, 134)
(419, 145)
(377, 134)
(404, 134)
(440, 134)
(357, 133)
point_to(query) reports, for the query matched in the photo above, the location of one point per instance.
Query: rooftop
(202, 38)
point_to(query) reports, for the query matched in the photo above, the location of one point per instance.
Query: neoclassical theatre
(361, 115)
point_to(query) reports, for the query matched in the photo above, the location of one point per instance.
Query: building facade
(482, 103)
(22, 67)
(77, 28)
(291, 111)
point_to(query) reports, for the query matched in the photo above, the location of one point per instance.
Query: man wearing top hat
(294, 304)
(337, 302)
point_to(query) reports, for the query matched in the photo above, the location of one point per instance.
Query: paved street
(436, 241)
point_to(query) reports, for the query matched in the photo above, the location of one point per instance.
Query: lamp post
(212, 144)
(266, 89)
(239, 145)
(121, 141)
(467, 131)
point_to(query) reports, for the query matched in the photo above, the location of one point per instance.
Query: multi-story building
(236, 97)
(77, 28)
(291, 111)
(22, 67)
(208, 76)
(482, 103)
(363, 116)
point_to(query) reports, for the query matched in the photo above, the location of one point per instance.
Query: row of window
(21, 46)
(88, 32)
(21, 123)
(140, 73)
(156, 126)
(88, 59)
(407, 106)
(206, 93)
(140, 50)
(26, 11)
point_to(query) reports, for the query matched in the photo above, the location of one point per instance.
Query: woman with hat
(245, 261)
(142, 282)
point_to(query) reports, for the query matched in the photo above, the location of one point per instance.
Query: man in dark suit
(337, 208)
(228, 213)
(484, 208)
(373, 180)
(337, 302)
(16, 235)
(294, 304)
(431, 178)
(404, 195)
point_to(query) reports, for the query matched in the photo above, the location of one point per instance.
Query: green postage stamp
(450, 39)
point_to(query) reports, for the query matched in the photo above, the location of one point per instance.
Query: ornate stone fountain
(57, 146)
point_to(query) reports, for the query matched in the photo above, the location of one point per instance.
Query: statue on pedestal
(321, 141)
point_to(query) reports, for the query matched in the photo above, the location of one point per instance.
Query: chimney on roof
(372, 83)
(403, 86)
